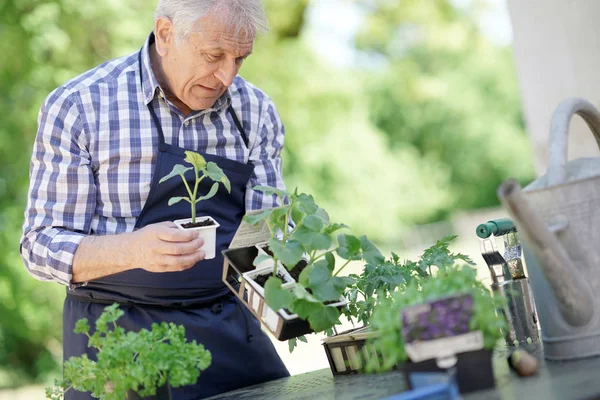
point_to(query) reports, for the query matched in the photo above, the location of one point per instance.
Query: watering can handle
(557, 151)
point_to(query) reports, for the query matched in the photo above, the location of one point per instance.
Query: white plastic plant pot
(256, 297)
(208, 233)
(237, 264)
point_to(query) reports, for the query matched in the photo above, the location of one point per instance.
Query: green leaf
(303, 278)
(301, 293)
(226, 183)
(213, 191)
(216, 174)
(371, 253)
(349, 247)
(297, 214)
(277, 219)
(325, 287)
(292, 343)
(276, 297)
(322, 215)
(324, 318)
(288, 253)
(175, 200)
(313, 223)
(311, 240)
(320, 241)
(302, 339)
(195, 159)
(319, 273)
(255, 218)
(269, 190)
(330, 261)
(329, 229)
(82, 326)
(177, 170)
(304, 307)
(306, 204)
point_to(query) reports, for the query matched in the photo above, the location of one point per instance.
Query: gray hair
(246, 16)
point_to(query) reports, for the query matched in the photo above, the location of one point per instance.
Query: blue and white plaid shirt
(96, 147)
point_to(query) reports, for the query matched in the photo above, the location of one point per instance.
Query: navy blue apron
(242, 354)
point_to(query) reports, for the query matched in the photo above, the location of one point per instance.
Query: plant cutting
(296, 278)
(450, 280)
(377, 283)
(131, 365)
(379, 280)
(202, 169)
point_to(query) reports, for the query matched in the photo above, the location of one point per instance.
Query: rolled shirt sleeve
(265, 155)
(61, 197)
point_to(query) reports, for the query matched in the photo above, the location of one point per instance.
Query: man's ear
(164, 33)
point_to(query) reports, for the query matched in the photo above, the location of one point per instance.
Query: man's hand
(163, 247)
(160, 247)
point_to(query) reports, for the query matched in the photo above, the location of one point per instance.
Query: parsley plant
(131, 361)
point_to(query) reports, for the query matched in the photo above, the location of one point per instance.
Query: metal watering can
(558, 217)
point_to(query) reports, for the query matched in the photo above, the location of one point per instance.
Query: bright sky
(333, 23)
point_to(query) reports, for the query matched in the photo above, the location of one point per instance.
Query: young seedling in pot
(202, 169)
(311, 237)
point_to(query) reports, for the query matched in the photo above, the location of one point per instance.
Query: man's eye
(213, 57)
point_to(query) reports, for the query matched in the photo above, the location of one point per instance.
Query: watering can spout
(572, 292)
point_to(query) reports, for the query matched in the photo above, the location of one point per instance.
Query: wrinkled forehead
(227, 33)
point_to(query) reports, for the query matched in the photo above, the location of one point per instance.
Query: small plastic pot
(208, 233)
(238, 273)
(474, 370)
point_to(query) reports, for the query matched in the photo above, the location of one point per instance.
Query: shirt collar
(150, 84)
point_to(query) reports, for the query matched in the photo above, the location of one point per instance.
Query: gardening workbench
(553, 381)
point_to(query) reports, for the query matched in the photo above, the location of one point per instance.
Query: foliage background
(429, 126)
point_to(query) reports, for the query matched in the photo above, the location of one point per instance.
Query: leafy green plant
(449, 280)
(202, 169)
(381, 279)
(314, 237)
(131, 361)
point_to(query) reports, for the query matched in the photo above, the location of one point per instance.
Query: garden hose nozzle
(496, 227)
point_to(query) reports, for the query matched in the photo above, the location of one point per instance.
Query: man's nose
(226, 72)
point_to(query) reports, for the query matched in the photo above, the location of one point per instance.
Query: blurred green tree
(43, 44)
(448, 94)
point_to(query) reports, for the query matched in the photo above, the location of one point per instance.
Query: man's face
(199, 68)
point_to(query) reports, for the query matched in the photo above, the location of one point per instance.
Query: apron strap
(239, 126)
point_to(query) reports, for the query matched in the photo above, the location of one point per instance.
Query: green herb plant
(379, 280)
(447, 280)
(300, 228)
(202, 169)
(131, 361)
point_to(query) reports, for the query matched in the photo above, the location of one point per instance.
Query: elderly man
(97, 220)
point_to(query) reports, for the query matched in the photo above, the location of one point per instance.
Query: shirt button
(186, 123)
